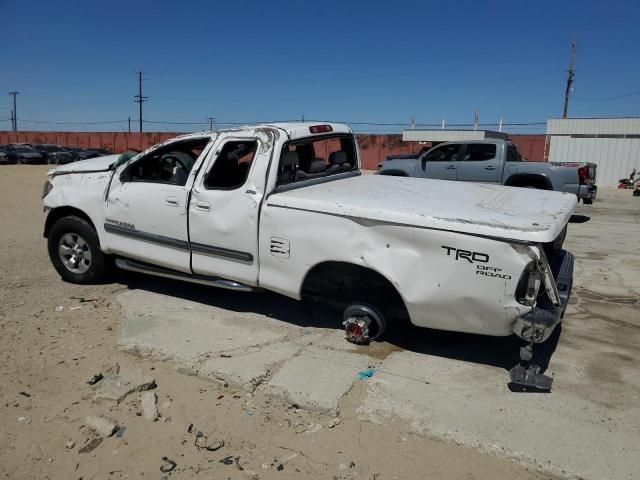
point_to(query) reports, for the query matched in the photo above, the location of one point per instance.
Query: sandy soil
(56, 336)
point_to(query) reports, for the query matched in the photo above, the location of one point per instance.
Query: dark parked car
(54, 154)
(4, 156)
(25, 154)
(86, 153)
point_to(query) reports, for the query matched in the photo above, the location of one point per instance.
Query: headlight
(46, 188)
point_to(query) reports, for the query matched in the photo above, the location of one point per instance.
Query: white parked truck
(284, 207)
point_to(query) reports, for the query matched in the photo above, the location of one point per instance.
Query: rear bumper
(538, 324)
(588, 192)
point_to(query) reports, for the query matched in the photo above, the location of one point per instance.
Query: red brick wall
(373, 147)
(531, 147)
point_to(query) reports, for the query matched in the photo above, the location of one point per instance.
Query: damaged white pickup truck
(284, 207)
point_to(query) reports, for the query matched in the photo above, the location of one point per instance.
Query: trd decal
(478, 259)
(471, 257)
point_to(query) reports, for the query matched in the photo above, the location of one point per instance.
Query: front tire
(74, 250)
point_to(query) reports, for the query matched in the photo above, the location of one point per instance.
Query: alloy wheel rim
(74, 253)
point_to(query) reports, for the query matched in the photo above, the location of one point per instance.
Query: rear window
(513, 155)
(479, 152)
(316, 157)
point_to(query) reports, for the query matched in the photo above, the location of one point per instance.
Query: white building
(611, 143)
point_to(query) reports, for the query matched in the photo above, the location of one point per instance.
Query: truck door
(225, 207)
(480, 162)
(440, 162)
(146, 205)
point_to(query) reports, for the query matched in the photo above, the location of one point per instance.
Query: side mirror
(423, 161)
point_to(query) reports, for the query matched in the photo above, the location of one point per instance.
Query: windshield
(24, 150)
(317, 157)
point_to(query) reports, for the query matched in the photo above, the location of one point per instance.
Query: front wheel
(74, 250)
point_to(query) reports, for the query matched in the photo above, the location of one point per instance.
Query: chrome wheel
(74, 253)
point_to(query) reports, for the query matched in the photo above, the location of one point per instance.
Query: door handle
(490, 167)
(172, 202)
(451, 167)
(203, 206)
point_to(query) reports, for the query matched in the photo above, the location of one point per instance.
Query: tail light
(583, 174)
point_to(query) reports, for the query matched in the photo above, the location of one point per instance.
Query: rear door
(225, 206)
(440, 162)
(480, 162)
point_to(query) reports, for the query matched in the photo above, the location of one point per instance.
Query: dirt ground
(56, 336)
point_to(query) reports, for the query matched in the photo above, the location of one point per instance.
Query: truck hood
(478, 209)
(97, 164)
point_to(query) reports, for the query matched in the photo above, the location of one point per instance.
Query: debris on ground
(311, 428)
(227, 460)
(168, 465)
(26, 420)
(115, 387)
(102, 425)
(91, 446)
(95, 379)
(202, 443)
(24, 394)
(70, 444)
(333, 422)
(59, 308)
(366, 373)
(148, 401)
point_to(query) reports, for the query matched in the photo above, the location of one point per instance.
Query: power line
(604, 99)
(212, 120)
(140, 98)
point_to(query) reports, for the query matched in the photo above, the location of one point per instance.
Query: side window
(479, 152)
(513, 155)
(444, 153)
(231, 167)
(169, 164)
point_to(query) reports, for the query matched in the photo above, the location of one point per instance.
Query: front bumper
(538, 324)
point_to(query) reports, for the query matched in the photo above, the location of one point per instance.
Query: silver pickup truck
(494, 161)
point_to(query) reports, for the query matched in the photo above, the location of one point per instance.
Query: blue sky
(374, 61)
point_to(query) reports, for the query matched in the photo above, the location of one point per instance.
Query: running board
(141, 267)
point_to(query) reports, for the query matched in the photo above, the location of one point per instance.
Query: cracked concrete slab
(184, 332)
(317, 378)
(247, 369)
(471, 405)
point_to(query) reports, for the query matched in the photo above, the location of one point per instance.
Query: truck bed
(479, 209)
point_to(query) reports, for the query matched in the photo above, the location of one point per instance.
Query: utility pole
(14, 124)
(140, 99)
(475, 120)
(413, 122)
(129, 124)
(500, 125)
(303, 118)
(570, 74)
(212, 120)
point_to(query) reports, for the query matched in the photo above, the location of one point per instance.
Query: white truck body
(462, 257)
